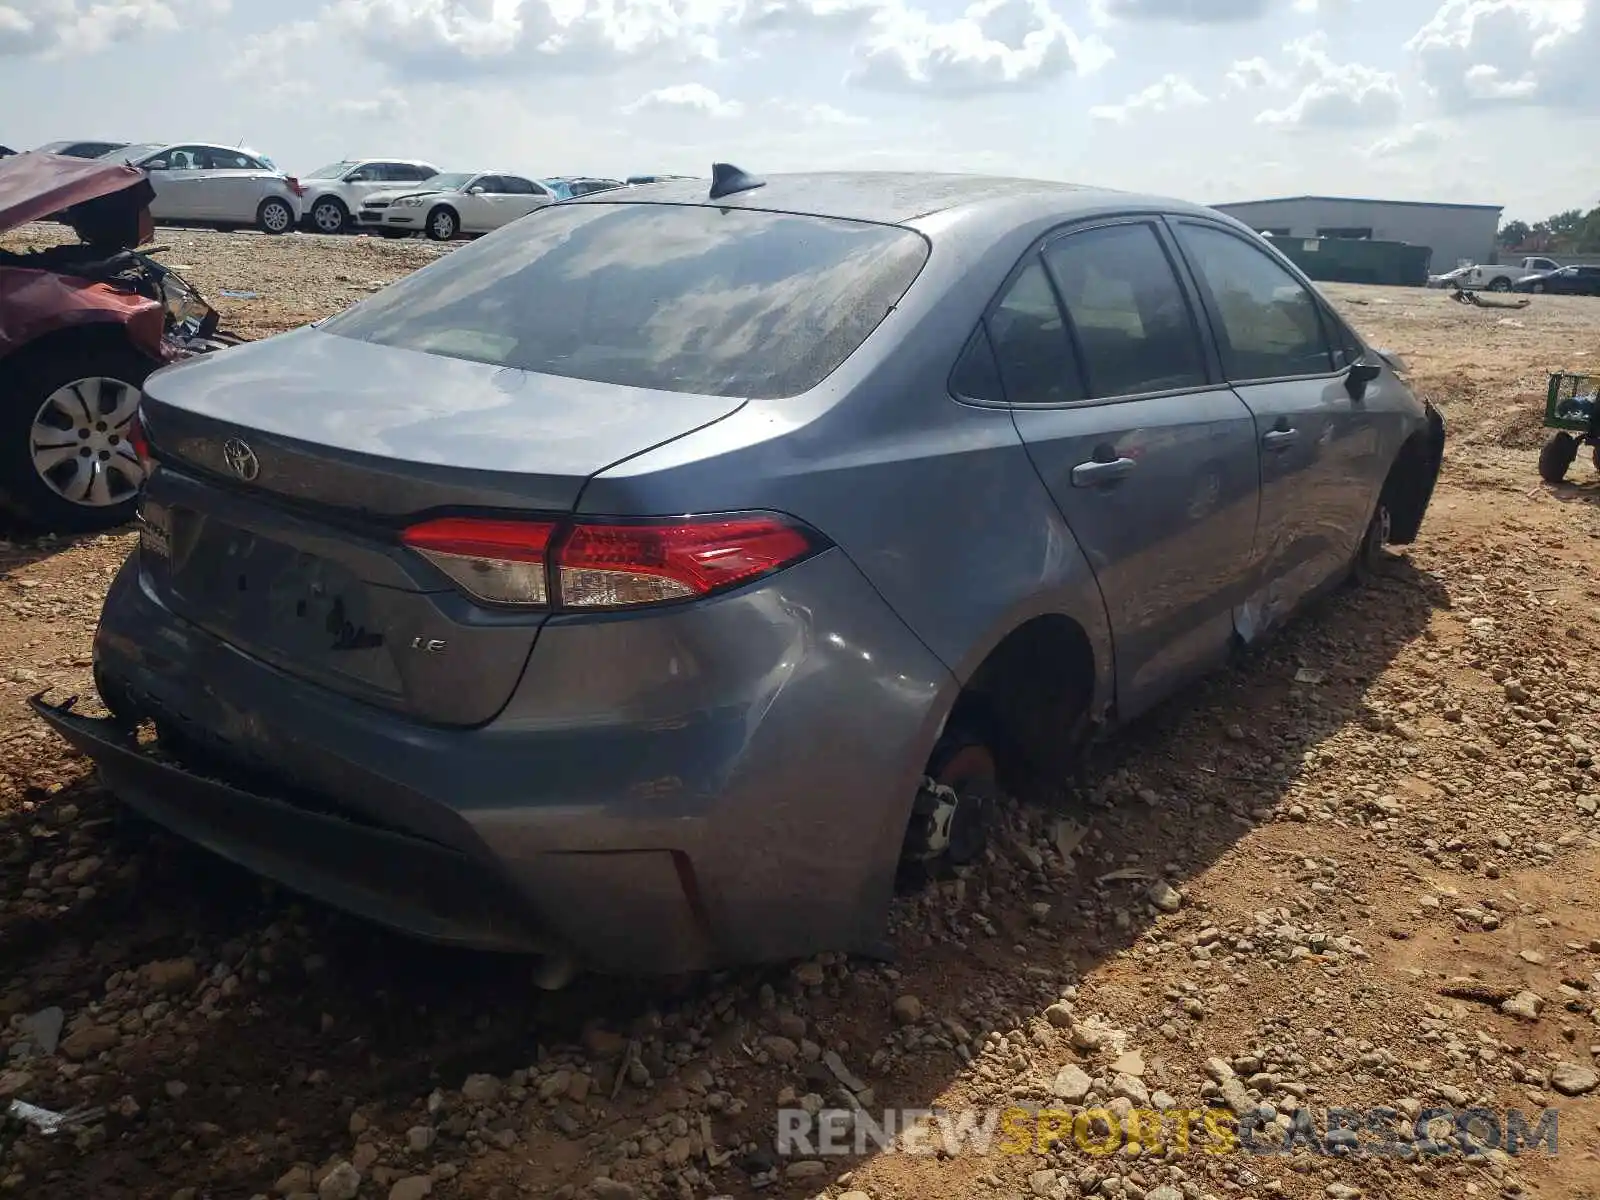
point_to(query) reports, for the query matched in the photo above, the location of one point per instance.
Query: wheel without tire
(274, 216)
(1370, 553)
(329, 215)
(1556, 456)
(1502, 284)
(443, 224)
(66, 461)
(950, 822)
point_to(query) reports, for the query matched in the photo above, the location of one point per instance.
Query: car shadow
(297, 1016)
(21, 547)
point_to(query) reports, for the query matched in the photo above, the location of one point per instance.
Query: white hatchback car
(224, 186)
(455, 203)
(335, 192)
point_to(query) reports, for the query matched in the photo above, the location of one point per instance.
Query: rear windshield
(680, 298)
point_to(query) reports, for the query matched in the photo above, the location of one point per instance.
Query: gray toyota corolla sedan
(642, 584)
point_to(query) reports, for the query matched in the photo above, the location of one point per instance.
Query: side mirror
(475, 190)
(1359, 376)
(159, 164)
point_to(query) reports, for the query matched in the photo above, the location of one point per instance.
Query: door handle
(1096, 473)
(1280, 439)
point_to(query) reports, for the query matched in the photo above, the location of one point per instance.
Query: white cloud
(814, 115)
(1188, 12)
(1412, 140)
(1481, 52)
(686, 97)
(1250, 74)
(457, 39)
(1334, 95)
(995, 45)
(1172, 91)
(835, 17)
(55, 27)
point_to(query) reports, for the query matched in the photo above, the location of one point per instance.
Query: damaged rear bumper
(408, 883)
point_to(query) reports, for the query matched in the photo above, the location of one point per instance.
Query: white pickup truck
(1494, 279)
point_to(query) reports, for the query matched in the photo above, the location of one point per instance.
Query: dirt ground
(1356, 869)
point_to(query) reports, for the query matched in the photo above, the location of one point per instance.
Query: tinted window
(407, 173)
(516, 187)
(1133, 324)
(1347, 347)
(1269, 319)
(977, 375)
(1030, 343)
(225, 160)
(492, 184)
(680, 298)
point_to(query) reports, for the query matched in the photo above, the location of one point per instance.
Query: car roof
(404, 162)
(899, 197)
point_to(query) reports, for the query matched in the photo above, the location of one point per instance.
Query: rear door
(1150, 458)
(236, 184)
(522, 196)
(1320, 465)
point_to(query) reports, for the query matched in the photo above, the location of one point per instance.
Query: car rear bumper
(722, 782)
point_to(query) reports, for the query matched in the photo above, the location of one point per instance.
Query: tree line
(1570, 232)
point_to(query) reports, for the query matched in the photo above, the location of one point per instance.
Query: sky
(1473, 101)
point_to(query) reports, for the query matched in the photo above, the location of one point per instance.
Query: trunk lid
(290, 467)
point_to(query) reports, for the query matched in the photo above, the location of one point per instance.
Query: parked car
(334, 192)
(566, 187)
(1498, 278)
(81, 149)
(81, 326)
(453, 204)
(222, 186)
(642, 584)
(1564, 281)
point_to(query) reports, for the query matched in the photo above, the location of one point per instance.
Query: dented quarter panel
(36, 303)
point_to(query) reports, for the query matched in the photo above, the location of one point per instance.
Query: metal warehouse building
(1454, 232)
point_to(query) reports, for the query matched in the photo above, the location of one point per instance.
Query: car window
(227, 160)
(1030, 343)
(186, 158)
(977, 374)
(491, 184)
(1270, 327)
(369, 173)
(1131, 320)
(1347, 348)
(684, 298)
(514, 186)
(409, 173)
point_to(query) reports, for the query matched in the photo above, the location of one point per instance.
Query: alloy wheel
(276, 217)
(79, 442)
(328, 217)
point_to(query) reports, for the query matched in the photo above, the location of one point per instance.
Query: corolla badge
(241, 460)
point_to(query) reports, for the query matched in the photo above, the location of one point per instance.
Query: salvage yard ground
(1371, 833)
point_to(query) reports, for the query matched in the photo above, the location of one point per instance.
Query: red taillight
(498, 561)
(607, 565)
(295, 186)
(139, 440)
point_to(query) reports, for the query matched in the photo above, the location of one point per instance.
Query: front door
(1151, 460)
(177, 177)
(1320, 461)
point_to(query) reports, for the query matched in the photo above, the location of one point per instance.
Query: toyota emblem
(241, 460)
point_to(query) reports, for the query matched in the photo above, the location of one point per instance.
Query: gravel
(1349, 871)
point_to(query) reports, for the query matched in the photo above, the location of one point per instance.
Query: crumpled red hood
(34, 185)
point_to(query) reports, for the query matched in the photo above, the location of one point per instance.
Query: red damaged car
(81, 326)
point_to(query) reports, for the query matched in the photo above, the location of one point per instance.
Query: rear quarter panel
(935, 501)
